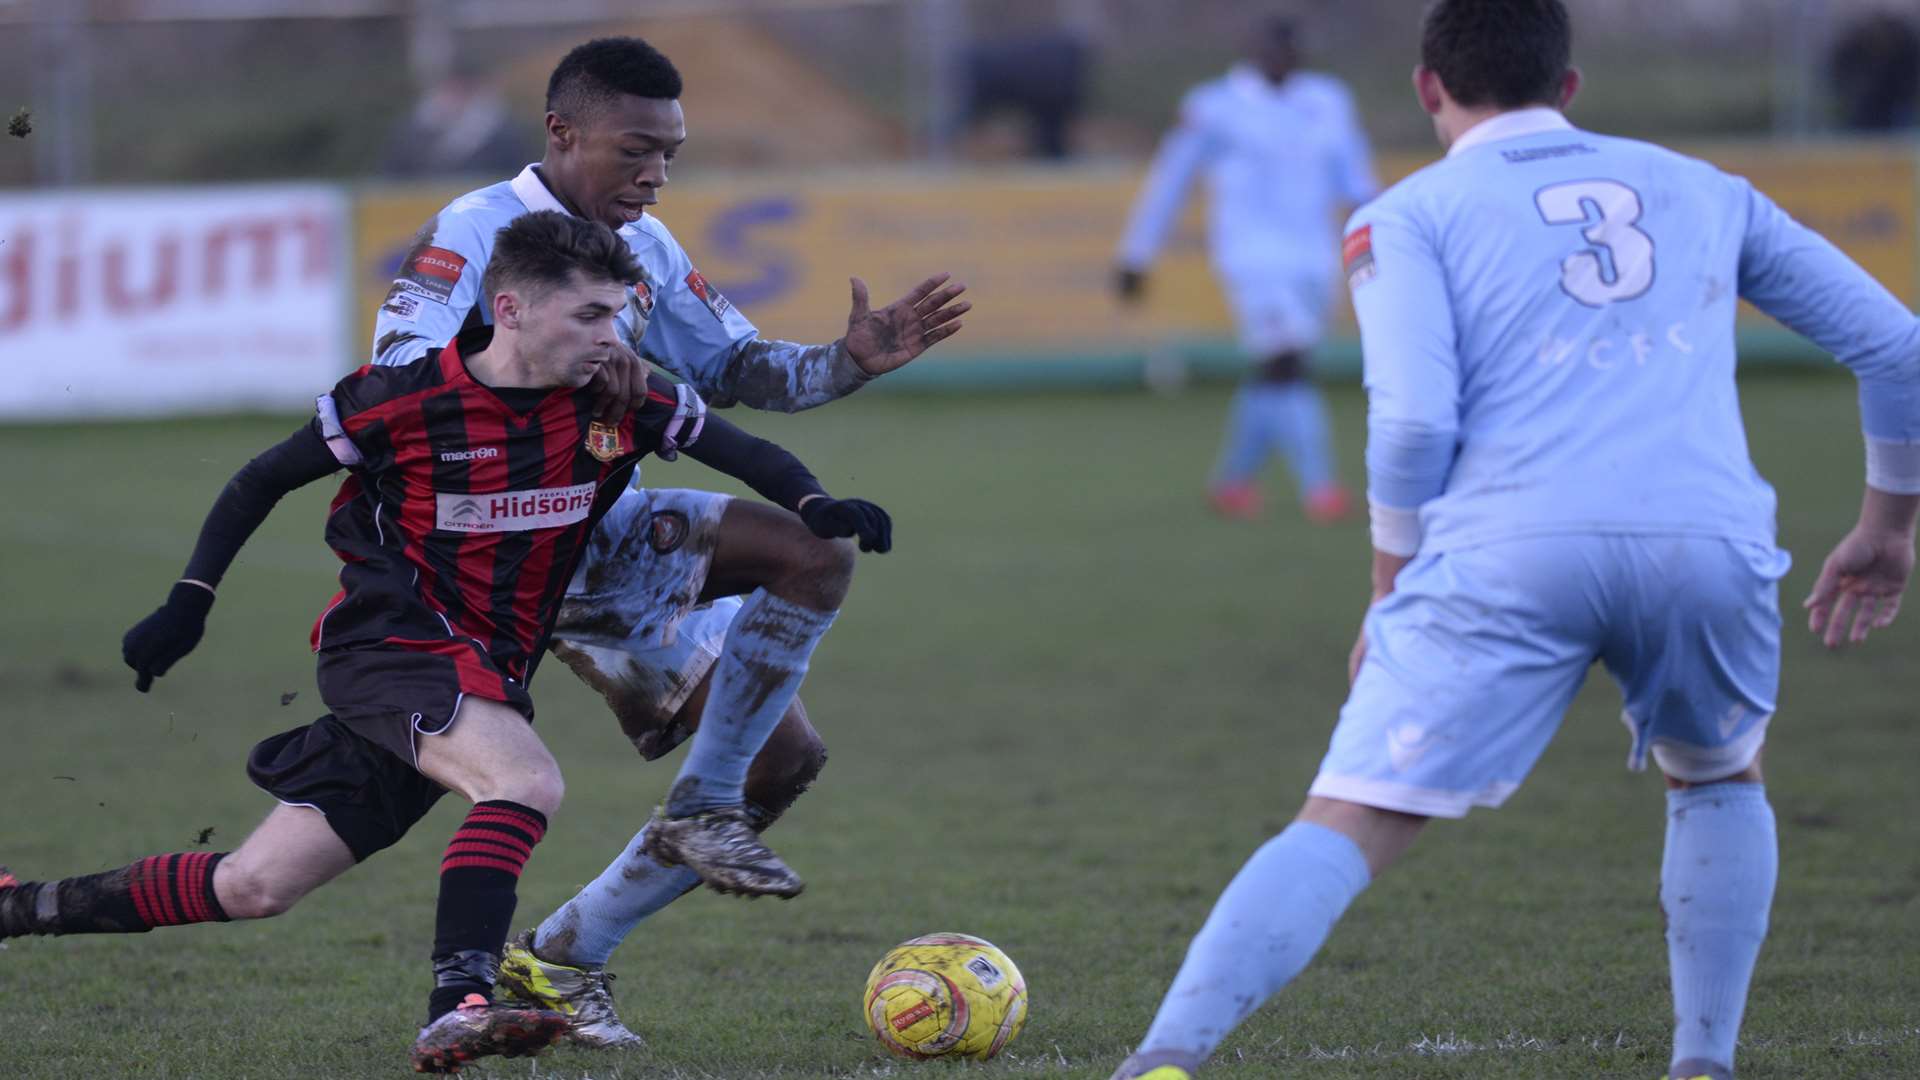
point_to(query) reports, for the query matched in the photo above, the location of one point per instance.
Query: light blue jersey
(1280, 160)
(1548, 320)
(674, 317)
(1548, 324)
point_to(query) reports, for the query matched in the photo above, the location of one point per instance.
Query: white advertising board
(165, 301)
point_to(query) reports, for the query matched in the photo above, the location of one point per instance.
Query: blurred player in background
(1558, 475)
(652, 619)
(476, 475)
(1284, 153)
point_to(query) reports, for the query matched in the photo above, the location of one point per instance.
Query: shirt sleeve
(352, 420)
(693, 329)
(674, 419)
(1182, 152)
(784, 376)
(250, 496)
(1409, 354)
(767, 468)
(1797, 276)
(435, 290)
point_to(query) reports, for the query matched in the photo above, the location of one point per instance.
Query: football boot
(721, 846)
(479, 1028)
(584, 995)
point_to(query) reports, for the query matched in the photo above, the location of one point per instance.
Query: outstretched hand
(1858, 590)
(885, 340)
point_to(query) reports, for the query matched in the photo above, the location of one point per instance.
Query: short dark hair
(544, 249)
(1505, 53)
(595, 73)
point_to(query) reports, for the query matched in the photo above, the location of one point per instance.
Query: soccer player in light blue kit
(1558, 474)
(1283, 152)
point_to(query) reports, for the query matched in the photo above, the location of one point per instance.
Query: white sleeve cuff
(344, 451)
(1893, 467)
(1395, 531)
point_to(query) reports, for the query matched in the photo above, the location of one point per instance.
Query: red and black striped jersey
(464, 516)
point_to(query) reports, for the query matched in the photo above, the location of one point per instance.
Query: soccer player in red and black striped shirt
(476, 476)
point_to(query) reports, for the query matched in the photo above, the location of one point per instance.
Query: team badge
(709, 295)
(643, 298)
(667, 530)
(1357, 254)
(605, 441)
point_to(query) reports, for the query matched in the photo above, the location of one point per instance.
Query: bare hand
(1859, 587)
(1358, 655)
(620, 385)
(884, 340)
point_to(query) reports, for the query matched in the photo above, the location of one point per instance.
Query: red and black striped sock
(161, 890)
(477, 880)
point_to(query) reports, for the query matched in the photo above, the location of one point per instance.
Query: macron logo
(514, 511)
(478, 453)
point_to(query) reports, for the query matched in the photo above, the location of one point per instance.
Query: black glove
(833, 518)
(1129, 284)
(158, 641)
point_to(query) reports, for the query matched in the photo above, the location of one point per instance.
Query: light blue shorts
(1473, 659)
(632, 625)
(1279, 309)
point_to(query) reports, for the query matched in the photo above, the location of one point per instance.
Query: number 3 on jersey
(1619, 265)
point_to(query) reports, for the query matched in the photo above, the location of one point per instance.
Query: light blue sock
(586, 929)
(1264, 929)
(1716, 887)
(1244, 444)
(1302, 415)
(761, 664)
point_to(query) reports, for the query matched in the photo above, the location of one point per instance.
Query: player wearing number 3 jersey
(1558, 475)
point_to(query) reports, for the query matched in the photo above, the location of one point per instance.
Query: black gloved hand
(833, 518)
(158, 641)
(1129, 285)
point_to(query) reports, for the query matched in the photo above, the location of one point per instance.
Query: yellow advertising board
(1035, 247)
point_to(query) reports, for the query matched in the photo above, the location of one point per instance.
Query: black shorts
(391, 696)
(358, 765)
(369, 796)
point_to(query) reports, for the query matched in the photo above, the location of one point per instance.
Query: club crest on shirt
(1356, 253)
(605, 441)
(643, 298)
(709, 295)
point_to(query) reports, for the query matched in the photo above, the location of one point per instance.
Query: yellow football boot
(583, 995)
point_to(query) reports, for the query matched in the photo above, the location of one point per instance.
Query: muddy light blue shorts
(1473, 659)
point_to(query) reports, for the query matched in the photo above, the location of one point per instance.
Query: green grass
(1061, 714)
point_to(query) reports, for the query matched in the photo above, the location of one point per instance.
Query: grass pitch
(1061, 714)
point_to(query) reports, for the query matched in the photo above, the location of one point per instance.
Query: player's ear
(1427, 89)
(1569, 86)
(506, 310)
(560, 134)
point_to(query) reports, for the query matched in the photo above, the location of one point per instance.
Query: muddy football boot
(479, 1028)
(723, 848)
(584, 995)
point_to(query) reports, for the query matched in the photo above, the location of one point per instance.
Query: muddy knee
(817, 573)
(786, 766)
